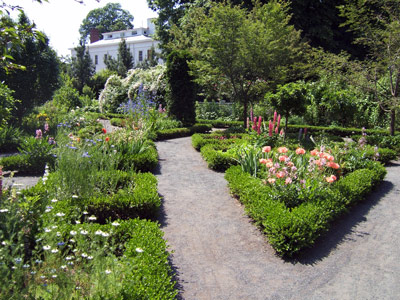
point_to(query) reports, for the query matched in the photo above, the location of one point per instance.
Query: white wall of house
(138, 41)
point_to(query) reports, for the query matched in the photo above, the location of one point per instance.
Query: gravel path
(219, 254)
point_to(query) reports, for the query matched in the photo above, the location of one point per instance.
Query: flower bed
(294, 196)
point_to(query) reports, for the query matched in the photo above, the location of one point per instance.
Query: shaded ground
(219, 254)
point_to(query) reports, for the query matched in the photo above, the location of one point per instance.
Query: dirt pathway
(219, 254)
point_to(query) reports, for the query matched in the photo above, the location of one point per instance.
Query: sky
(60, 19)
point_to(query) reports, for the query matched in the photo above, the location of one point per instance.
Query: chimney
(94, 35)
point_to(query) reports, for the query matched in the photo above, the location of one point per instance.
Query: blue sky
(60, 19)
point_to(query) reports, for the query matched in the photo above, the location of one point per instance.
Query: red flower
(104, 130)
(107, 139)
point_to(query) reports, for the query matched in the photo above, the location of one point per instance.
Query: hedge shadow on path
(341, 229)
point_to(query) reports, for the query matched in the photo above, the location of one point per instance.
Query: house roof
(129, 40)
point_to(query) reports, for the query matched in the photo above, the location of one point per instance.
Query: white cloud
(60, 19)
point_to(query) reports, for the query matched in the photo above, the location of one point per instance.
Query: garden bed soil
(218, 253)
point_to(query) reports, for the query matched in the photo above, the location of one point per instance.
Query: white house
(138, 40)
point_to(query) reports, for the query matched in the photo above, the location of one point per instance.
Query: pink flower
(271, 126)
(263, 161)
(277, 125)
(331, 178)
(280, 174)
(39, 134)
(288, 180)
(271, 180)
(266, 149)
(332, 165)
(314, 152)
(283, 158)
(283, 150)
(300, 151)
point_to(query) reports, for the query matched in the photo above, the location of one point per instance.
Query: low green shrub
(199, 140)
(290, 230)
(119, 122)
(22, 164)
(139, 161)
(220, 123)
(10, 138)
(217, 158)
(182, 132)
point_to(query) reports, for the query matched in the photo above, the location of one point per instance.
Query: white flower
(75, 196)
(84, 232)
(77, 222)
(47, 230)
(3, 210)
(139, 250)
(107, 272)
(72, 232)
(58, 233)
(4, 243)
(72, 240)
(115, 224)
(54, 251)
(74, 250)
(47, 247)
(54, 227)
(54, 276)
(63, 267)
(71, 263)
(84, 255)
(85, 212)
(92, 218)
(90, 257)
(98, 232)
(69, 258)
(54, 200)
(105, 234)
(60, 214)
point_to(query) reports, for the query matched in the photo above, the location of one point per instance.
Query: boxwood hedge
(290, 230)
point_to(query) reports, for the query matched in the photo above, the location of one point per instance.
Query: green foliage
(218, 157)
(181, 100)
(182, 132)
(38, 151)
(199, 140)
(36, 82)
(124, 61)
(9, 138)
(67, 97)
(109, 18)
(82, 67)
(113, 94)
(99, 80)
(215, 111)
(7, 104)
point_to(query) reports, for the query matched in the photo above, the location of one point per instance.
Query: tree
(82, 68)
(124, 61)
(289, 99)
(377, 25)
(181, 101)
(108, 18)
(248, 52)
(35, 83)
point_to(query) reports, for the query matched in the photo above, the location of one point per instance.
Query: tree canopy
(36, 81)
(248, 52)
(108, 18)
(124, 61)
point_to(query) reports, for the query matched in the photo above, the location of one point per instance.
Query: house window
(122, 34)
(149, 54)
(105, 57)
(140, 55)
(134, 32)
(109, 36)
(96, 59)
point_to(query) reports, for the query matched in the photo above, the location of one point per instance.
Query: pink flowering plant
(297, 175)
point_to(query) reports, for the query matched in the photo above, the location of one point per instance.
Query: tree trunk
(392, 121)
(245, 114)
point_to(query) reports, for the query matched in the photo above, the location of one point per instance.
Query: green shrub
(199, 140)
(182, 132)
(10, 138)
(221, 123)
(217, 158)
(145, 161)
(290, 230)
(181, 100)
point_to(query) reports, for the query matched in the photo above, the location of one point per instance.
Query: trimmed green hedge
(291, 230)
(216, 157)
(335, 130)
(23, 164)
(148, 274)
(182, 132)
(220, 123)
(140, 162)
(199, 140)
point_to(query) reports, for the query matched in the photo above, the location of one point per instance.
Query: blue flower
(60, 244)
(85, 154)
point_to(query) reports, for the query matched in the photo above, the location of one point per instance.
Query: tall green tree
(377, 25)
(35, 83)
(82, 68)
(248, 52)
(108, 18)
(124, 61)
